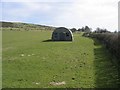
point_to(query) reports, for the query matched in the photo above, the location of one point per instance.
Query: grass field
(30, 60)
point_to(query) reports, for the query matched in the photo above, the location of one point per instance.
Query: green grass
(80, 63)
(0, 59)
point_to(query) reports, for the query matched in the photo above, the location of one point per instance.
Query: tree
(80, 30)
(73, 29)
(87, 29)
(115, 31)
(83, 29)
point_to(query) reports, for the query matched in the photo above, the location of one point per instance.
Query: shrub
(111, 42)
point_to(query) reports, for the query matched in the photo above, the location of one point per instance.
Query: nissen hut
(62, 34)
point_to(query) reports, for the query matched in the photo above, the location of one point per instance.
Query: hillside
(25, 26)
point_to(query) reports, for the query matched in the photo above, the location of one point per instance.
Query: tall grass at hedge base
(110, 40)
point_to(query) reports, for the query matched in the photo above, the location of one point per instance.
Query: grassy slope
(25, 26)
(46, 62)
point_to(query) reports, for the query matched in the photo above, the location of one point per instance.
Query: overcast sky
(65, 13)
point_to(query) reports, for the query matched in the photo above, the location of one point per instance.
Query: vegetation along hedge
(110, 40)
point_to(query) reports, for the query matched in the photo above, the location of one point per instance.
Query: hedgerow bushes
(110, 40)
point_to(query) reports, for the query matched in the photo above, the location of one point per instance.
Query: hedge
(110, 40)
